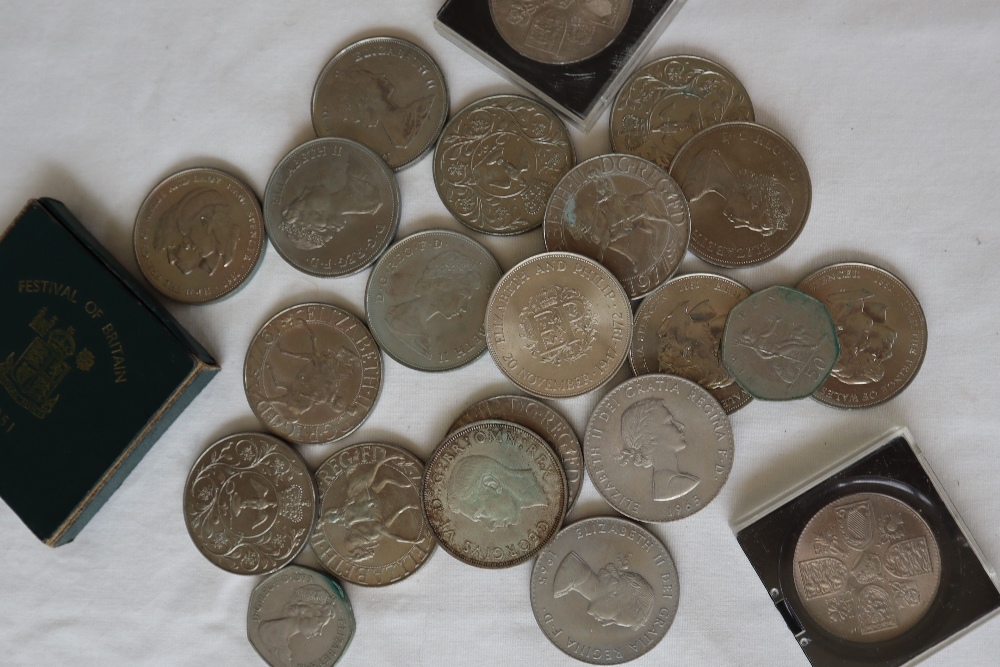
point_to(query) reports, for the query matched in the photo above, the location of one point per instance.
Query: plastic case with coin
(580, 89)
(863, 590)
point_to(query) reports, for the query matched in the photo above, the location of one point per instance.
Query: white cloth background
(892, 104)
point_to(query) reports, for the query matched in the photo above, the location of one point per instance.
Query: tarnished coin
(559, 31)
(779, 344)
(497, 162)
(312, 373)
(386, 93)
(605, 590)
(249, 503)
(558, 325)
(199, 235)
(668, 101)
(624, 212)
(881, 330)
(658, 447)
(371, 529)
(866, 567)
(331, 207)
(542, 420)
(494, 494)
(426, 299)
(748, 190)
(678, 331)
(299, 617)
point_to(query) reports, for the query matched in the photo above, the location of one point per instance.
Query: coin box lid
(579, 90)
(92, 370)
(894, 466)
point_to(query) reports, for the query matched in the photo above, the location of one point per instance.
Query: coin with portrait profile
(298, 616)
(386, 93)
(426, 299)
(494, 494)
(658, 447)
(313, 373)
(199, 235)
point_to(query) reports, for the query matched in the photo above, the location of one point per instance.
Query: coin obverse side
(371, 529)
(543, 421)
(658, 447)
(605, 590)
(299, 616)
(249, 503)
(331, 207)
(386, 93)
(558, 32)
(494, 494)
(866, 568)
(624, 212)
(668, 101)
(313, 373)
(678, 330)
(558, 325)
(779, 344)
(497, 162)
(426, 299)
(748, 190)
(881, 330)
(199, 235)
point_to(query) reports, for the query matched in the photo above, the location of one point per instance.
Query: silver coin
(497, 162)
(866, 567)
(542, 420)
(249, 503)
(199, 235)
(299, 617)
(559, 31)
(371, 529)
(779, 344)
(678, 331)
(313, 373)
(658, 447)
(386, 93)
(605, 590)
(331, 207)
(624, 212)
(668, 101)
(494, 494)
(558, 325)
(426, 299)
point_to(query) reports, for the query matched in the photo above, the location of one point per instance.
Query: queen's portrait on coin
(617, 595)
(367, 98)
(689, 341)
(485, 490)
(652, 438)
(197, 234)
(865, 339)
(309, 609)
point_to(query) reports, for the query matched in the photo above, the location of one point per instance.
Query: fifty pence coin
(386, 93)
(881, 330)
(497, 162)
(298, 616)
(331, 207)
(313, 373)
(542, 420)
(624, 212)
(559, 31)
(748, 190)
(494, 494)
(866, 567)
(668, 101)
(678, 331)
(371, 529)
(605, 590)
(249, 503)
(426, 299)
(558, 325)
(658, 447)
(779, 344)
(199, 235)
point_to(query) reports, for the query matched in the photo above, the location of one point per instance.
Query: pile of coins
(691, 171)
